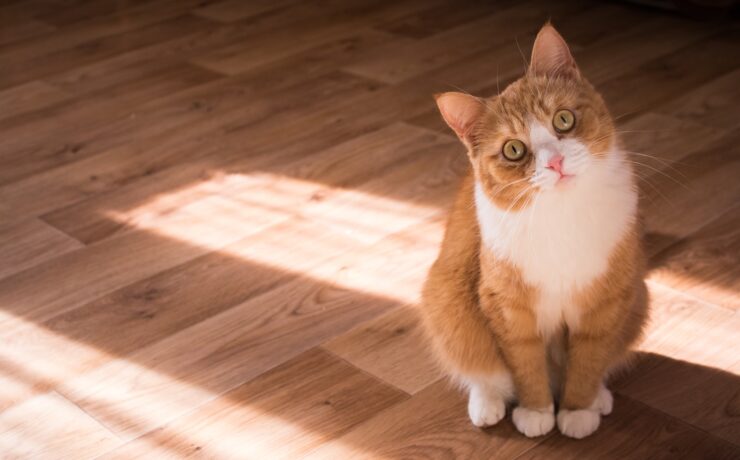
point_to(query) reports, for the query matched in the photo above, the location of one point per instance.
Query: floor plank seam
(366, 373)
(91, 416)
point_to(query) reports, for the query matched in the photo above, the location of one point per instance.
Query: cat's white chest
(562, 241)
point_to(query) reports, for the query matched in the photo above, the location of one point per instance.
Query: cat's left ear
(551, 56)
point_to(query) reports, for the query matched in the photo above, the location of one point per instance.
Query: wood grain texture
(714, 403)
(28, 97)
(250, 337)
(335, 398)
(688, 329)
(636, 432)
(705, 264)
(216, 217)
(49, 426)
(26, 243)
(710, 104)
(392, 348)
(432, 424)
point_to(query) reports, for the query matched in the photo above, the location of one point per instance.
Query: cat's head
(542, 134)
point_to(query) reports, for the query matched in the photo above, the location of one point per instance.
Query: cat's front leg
(523, 351)
(592, 348)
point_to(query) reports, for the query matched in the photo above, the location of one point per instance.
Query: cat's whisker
(618, 117)
(645, 179)
(631, 131)
(657, 171)
(498, 191)
(516, 200)
(663, 162)
(531, 217)
(656, 190)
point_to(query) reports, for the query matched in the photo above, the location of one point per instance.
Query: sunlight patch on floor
(712, 290)
(293, 225)
(37, 376)
(687, 329)
(34, 358)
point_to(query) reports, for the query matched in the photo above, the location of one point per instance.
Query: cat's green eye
(563, 121)
(514, 150)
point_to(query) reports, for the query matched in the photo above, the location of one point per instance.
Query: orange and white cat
(538, 291)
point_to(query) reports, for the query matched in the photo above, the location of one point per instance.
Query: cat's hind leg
(487, 397)
(466, 350)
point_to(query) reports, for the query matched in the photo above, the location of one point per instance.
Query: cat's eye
(563, 121)
(514, 150)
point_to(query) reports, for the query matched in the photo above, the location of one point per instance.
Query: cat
(538, 291)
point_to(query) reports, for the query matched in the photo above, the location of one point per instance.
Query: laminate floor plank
(315, 26)
(70, 132)
(48, 63)
(181, 296)
(634, 431)
(68, 434)
(87, 220)
(29, 97)
(335, 397)
(431, 424)
(392, 348)
(711, 104)
(26, 243)
(705, 264)
(197, 122)
(237, 10)
(172, 377)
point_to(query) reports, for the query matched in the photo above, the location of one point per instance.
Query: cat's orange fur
(478, 309)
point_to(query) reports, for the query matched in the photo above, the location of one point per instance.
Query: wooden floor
(215, 217)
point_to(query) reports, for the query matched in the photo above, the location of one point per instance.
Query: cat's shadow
(659, 401)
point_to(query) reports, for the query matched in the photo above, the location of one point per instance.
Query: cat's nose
(556, 163)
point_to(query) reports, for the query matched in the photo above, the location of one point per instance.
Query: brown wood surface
(216, 217)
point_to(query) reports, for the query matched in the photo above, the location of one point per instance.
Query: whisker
(657, 191)
(658, 171)
(665, 163)
(625, 114)
(521, 195)
(498, 191)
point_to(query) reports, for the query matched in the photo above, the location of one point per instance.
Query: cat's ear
(460, 111)
(551, 56)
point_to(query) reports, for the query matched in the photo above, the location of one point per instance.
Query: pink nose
(556, 163)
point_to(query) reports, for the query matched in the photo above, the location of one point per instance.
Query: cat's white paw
(604, 401)
(533, 422)
(484, 408)
(578, 423)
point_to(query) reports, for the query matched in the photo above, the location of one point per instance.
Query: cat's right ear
(460, 111)
(551, 56)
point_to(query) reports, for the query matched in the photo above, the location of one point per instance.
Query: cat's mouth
(564, 179)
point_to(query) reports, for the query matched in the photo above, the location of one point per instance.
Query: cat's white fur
(561, 241)
(581, 423)
(534, 422)
(488, 397)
